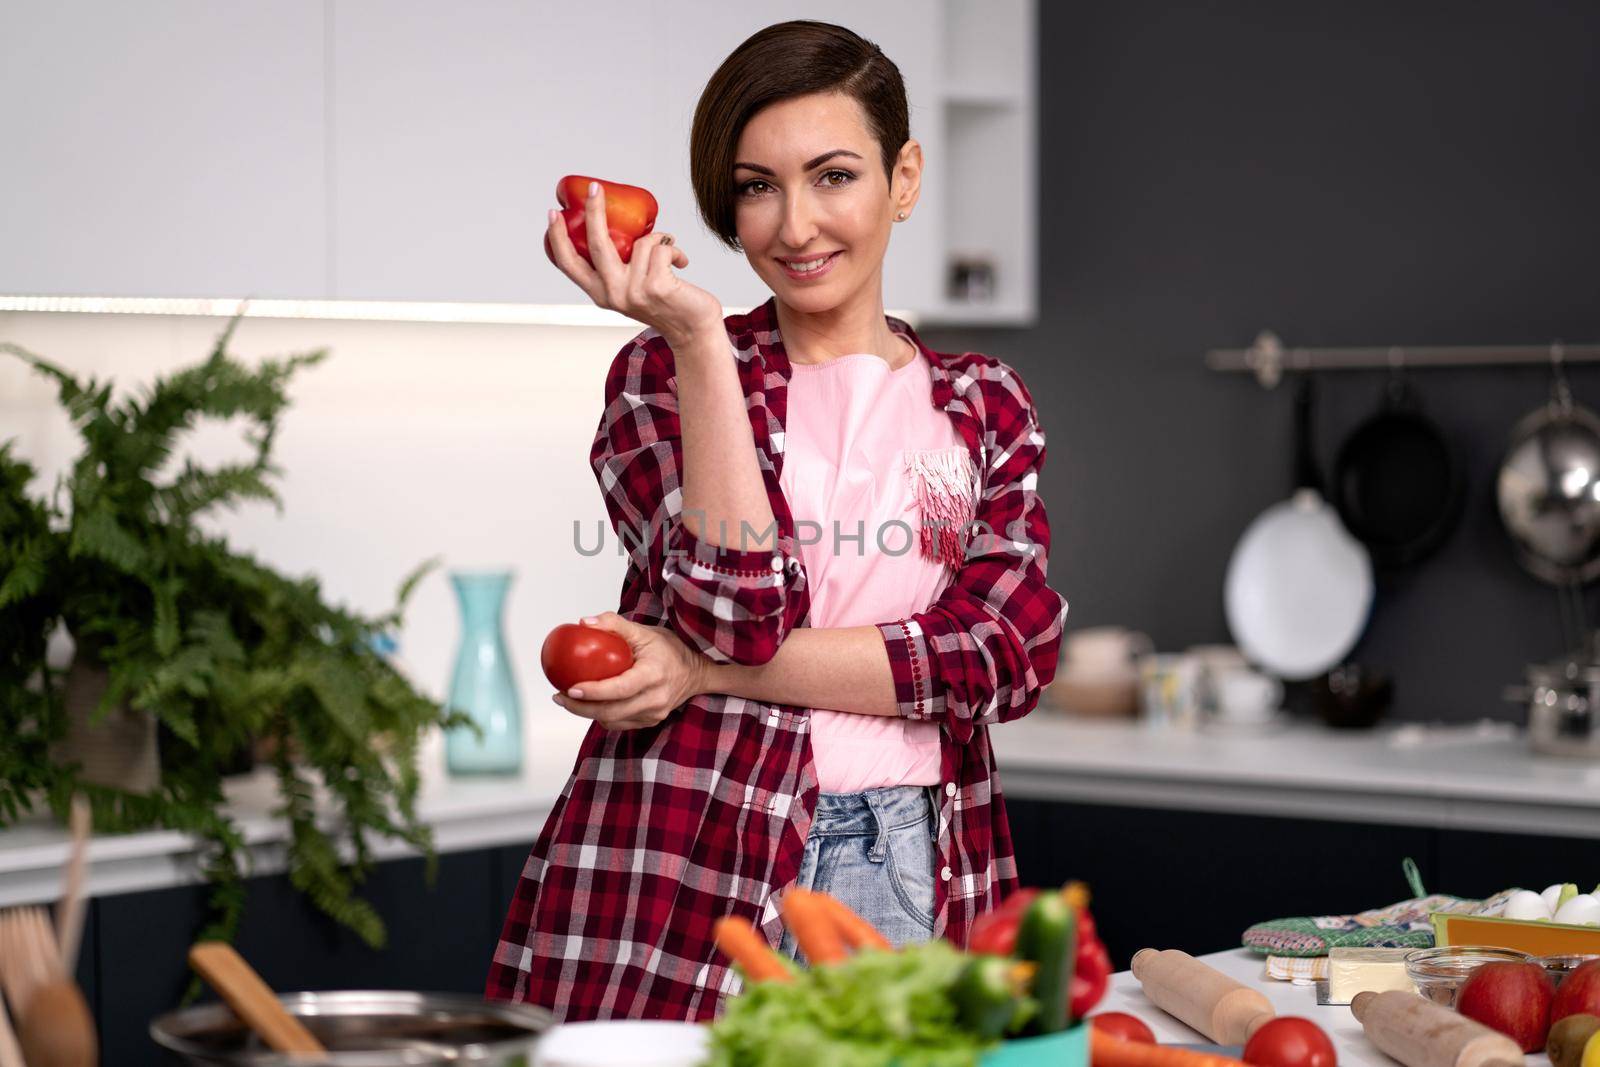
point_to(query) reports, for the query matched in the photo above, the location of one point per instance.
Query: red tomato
(1290, 1041)
(630, 214)
(1121, 1024)
(576, 653)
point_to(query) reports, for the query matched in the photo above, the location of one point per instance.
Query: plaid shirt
(661, 831)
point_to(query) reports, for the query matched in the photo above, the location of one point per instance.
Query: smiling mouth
(809, 265)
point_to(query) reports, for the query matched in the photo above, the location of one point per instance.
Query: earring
(900, 217)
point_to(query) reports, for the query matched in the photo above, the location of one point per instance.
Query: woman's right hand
(645, 288)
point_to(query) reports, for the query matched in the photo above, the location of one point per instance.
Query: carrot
(813, 927)
(856, 931)
(738, 939)
(1108, 1051)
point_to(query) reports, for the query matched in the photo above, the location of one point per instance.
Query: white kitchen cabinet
(988, 102)
(162, 148)
(453, 124)
(407, 150)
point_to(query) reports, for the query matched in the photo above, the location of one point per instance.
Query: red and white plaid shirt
(660, 832)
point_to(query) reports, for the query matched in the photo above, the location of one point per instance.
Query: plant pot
(118, 752)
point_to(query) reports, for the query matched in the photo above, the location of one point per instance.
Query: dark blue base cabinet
(1195, 880)
(1172, 879)
(440, 939)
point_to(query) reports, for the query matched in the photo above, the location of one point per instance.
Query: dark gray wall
(1351, 173)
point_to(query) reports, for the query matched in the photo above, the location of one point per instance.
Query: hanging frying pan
(1399, 483)
(1298, 590)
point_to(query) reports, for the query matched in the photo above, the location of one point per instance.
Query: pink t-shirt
(860, 441)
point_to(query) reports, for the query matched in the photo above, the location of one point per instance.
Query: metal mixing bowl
(366, 1029)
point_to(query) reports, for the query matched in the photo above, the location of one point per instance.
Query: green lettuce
(875, 1009)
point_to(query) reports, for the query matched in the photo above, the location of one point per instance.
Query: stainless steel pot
(366, 1029)
(1549, 489)
(1563, 702)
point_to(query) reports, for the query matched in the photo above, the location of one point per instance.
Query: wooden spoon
(251, 998)
(69, 912)
(54, 1026)
(10, 1053)
(57, 1030)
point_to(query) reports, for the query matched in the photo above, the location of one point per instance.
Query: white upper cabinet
(408, 150)
(453, 122)
(452, 125)
(162, 148)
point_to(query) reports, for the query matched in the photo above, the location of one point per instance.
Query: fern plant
(222, 650)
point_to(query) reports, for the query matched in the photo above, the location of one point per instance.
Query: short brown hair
(786, 60)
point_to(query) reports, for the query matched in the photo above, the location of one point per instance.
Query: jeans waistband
(873, 811)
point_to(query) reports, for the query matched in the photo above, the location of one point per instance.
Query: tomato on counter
(1290, 1041)
(1121, 1024)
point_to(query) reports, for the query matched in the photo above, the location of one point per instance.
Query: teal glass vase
(482, 684)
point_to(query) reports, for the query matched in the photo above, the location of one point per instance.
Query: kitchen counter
(1450, 778)
(1474, 777)
(464, 814)
(1353, 1047)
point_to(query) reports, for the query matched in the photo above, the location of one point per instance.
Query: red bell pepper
(995, 932)
(630, 214)
(1093, 972)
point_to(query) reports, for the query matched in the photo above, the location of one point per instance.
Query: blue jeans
(875, 851)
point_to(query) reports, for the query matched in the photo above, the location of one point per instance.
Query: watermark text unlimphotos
(894, 537)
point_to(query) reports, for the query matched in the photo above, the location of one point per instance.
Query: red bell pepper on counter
(995, 932)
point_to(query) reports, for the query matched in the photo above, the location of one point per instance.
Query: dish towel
(1298, 968)
(1401, 925)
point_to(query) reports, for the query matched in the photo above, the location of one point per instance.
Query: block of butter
(1363, 970)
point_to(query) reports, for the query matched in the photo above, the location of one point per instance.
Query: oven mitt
(1402, 925)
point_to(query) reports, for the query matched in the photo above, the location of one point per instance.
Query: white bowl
(623, 1043)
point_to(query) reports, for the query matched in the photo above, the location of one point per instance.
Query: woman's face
(810, 190)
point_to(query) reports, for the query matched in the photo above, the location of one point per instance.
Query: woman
(836, 575)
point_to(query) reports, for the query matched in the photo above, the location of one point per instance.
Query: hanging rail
(1268, 359)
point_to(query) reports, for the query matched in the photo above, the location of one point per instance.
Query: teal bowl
(1069, 1048)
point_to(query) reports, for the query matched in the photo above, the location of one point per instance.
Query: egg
(1583, 909)
(1552, 897)
(1526, 904)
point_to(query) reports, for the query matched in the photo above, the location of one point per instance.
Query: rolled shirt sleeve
(989, 642)
(733, 604)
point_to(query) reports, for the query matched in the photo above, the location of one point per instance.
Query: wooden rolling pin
(1203, 997)
(1420, 1033)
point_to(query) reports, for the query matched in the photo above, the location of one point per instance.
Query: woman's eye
(831, 179)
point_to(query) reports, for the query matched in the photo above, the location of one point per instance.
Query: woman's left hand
(665, 673)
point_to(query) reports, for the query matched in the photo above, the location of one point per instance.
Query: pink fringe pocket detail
(945, 483)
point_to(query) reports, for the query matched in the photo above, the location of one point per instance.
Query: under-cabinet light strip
(351, 310)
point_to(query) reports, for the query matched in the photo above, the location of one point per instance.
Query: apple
(1579, 993)
(1513, 998)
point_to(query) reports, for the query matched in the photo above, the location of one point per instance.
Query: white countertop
(1289, 999)
(1448, 778)
(1481, 778)
(464, 814)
